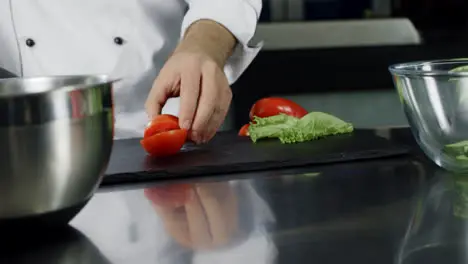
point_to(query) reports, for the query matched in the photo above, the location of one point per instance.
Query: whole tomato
(272, 106)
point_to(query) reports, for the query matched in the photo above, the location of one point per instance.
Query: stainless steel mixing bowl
(55, 142)
(434, 95)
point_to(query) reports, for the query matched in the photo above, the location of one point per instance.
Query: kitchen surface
(355, 212)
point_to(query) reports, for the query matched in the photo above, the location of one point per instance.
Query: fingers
(164, 87)
(218, 116)
(175, 221)
(204, 93)
(199, 229)
(221, 209)
(213, 104)
(189, 93)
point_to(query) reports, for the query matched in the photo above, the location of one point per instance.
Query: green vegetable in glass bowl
(460, 202)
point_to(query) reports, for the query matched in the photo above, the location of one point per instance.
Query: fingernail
(200, 139)
(205, 139)
(194, 136)
(149, 114)
(186, 124)
(151, 117)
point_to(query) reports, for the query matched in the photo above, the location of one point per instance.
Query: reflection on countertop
(209, 222)
(350, 212)
(437, 231)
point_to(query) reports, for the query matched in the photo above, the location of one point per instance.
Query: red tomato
(244, 131)
(165, 143)
(271, 106)
(161, 123)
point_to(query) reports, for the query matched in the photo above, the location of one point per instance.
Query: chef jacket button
(30, 42)
(118, 40)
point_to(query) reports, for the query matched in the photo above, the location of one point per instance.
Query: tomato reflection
(76, 100)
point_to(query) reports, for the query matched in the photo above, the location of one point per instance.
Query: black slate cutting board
(229, 153)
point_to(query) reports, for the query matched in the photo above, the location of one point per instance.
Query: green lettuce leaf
(289, 129)
(460, 69)
(460, 202)
(457, 149)
(271, 127)
(461, 83)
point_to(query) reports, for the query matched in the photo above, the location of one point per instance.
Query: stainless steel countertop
(343, 213)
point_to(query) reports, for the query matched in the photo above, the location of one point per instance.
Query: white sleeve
(240, 18)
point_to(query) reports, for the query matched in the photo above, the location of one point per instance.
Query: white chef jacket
(129, 39)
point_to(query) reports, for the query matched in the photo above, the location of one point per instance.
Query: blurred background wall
(333, 55)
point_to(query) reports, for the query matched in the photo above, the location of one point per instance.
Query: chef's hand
(195, 73)
(200, 216)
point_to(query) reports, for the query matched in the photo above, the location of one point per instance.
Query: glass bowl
(434, 96)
